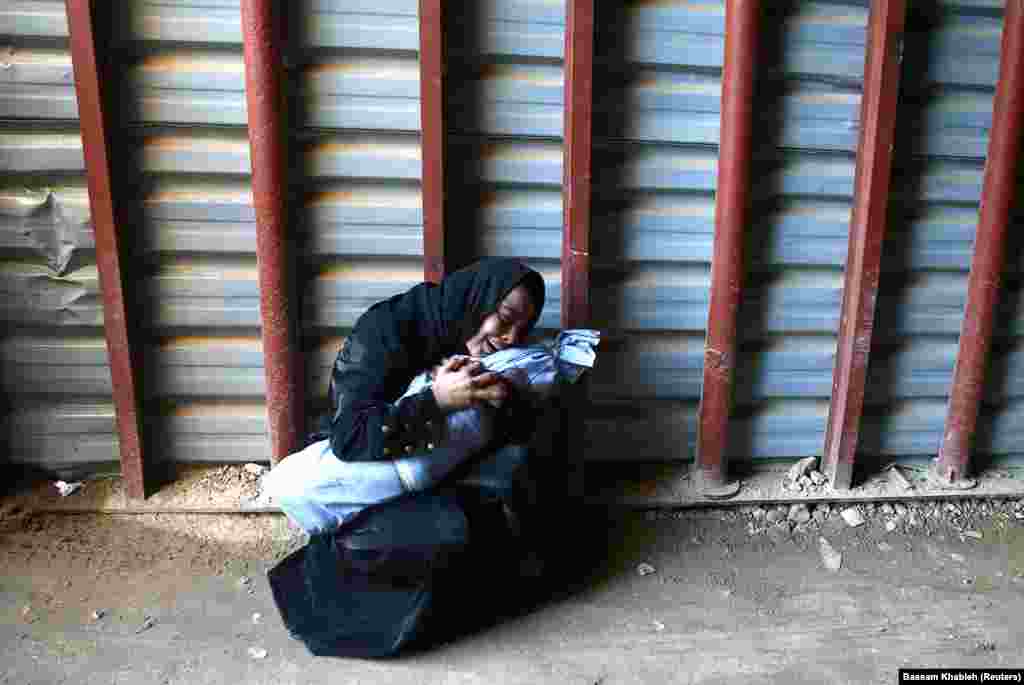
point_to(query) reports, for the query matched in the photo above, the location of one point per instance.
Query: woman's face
(506, 327)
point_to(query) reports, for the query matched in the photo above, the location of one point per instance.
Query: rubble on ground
(967, 518)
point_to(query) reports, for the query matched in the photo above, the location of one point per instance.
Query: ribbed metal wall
(655, 171)
(354, 80)
(53, 361)
(656, 132)
(358, 220)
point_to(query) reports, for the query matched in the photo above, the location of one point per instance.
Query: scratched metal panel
(655, 172)
(56, 407)
(353, 87)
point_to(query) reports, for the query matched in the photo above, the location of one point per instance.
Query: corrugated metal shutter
(54, 373)
(657, 95)
(943, 130)
(654, 222)
(358, 219)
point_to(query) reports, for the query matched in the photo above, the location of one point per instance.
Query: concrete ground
(726, 597)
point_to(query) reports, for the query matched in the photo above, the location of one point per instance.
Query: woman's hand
(460, 383)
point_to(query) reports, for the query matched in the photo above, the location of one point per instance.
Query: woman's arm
(365, 425)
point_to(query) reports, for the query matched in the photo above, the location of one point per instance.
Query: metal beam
(576, 212)
(433, 67)
(122, 347)
(984, 281)
(867, 232)
(577, 164)
(264, 67)
(731, 205)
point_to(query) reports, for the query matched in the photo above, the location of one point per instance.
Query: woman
(391, 558)
(378, 448)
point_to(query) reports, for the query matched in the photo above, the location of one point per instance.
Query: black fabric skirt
(401, 575)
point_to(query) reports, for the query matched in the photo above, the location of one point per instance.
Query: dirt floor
(696, 596)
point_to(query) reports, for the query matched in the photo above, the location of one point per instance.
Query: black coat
(397, 574)
(397, 339)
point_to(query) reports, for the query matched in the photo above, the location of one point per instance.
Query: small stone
(886, 509)
(817, 477)
(148, 623)
(831, 559)
(890, 525)
(852, 516)
(257, 653)
(773, 516)
(254, 469)
(800, 469)
(799, 513)
(898, 479)
(726, 593)
(26, 614)
(973, 534)
(257, 618)
(959, 558)
(884, 547)
(97, 614)
(659, 626)
(244, 581)
(645, 569)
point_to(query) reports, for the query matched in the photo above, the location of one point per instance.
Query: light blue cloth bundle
(319, 492)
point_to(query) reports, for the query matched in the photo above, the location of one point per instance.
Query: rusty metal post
(985, 278)
(576, 212)
(577, 171)
(731, 205)
(123, 349)
(433, 67)
(867, 232)
(264, 67)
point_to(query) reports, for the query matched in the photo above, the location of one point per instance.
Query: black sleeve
(365, 425)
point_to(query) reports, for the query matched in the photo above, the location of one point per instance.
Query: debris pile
(965, 519)
(804, 477)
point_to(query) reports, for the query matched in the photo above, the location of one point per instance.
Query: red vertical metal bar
(261, 31)
(124, 357)
(731, 199)
(867, 232)
(579, 111)
(434, 133)
(985, 278)
(576, 212)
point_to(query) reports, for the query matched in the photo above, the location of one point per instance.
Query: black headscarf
(400, 337)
